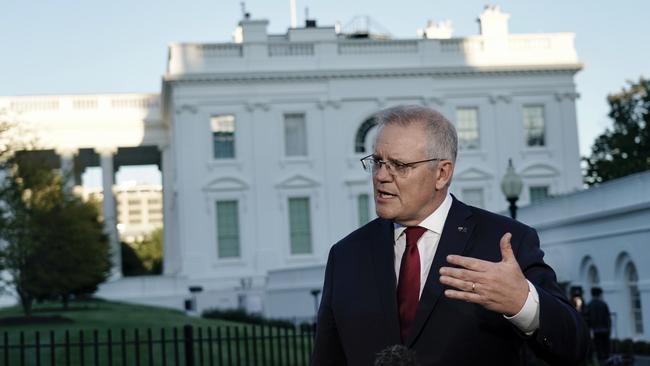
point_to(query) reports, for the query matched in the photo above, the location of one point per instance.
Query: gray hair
(443, 140)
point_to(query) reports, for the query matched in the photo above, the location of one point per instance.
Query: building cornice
(311, 75)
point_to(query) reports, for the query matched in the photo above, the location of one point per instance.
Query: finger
(506, 248)
(461, 274)
(467, 286)
(469, 262)
(464, 295)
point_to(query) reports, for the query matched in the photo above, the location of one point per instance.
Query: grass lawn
(131, 328)
(104, 315)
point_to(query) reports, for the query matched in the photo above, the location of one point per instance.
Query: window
(300, 225)
(468, 132)
(223, 136)
(473, 197)
(538, 194)
(134, 202)
(227, 229)
(365, 136)
(134, 212)
(153, 201)
(592, 276)
(295, 134)
(635, 298)
(534, 125)
(363, 205)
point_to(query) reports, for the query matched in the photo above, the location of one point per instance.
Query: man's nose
(382, 174)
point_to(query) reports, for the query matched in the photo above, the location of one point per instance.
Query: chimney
(253, 30)
(492, 22)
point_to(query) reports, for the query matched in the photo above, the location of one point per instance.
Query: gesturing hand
(500, 286)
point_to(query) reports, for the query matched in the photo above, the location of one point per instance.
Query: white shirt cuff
(527, 319)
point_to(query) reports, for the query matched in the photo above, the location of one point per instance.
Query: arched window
(365, 136)
(589, 275)
(632, 279)
(592, 276)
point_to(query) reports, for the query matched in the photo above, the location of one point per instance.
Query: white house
(259, 142)
(266, 134)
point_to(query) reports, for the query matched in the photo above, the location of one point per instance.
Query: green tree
(625, 148)
(53, 244)
(149, 252)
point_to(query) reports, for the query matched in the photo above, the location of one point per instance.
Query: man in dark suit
(456, 284)
(600, 323)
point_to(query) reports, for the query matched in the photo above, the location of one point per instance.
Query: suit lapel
(383, 262)
(455, 235)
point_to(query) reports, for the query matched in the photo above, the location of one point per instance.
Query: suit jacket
(358, 314)
(598, 318)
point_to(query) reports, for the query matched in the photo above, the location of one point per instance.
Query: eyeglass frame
(395, 166)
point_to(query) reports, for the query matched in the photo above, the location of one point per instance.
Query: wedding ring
(473, 286)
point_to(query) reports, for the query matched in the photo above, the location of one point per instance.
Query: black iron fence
(186, 346)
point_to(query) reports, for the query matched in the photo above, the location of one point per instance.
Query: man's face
(406, 200)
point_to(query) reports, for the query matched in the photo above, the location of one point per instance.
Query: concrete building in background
(259, 140)
(139, 208)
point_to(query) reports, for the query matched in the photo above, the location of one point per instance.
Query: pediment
(473, 174)
(355, 181)
(225, 184)
(539, 170)
(297, 181)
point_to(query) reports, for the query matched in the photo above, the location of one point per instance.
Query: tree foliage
(625, 148)
(53, 245)
(143, 257)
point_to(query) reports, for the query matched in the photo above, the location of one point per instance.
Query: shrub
(240, 315)
(629, 347)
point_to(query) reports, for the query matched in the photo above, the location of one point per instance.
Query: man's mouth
(385, 195)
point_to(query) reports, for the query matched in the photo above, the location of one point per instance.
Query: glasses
(372, 165)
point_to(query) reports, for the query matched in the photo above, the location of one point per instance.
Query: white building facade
(266, 137)
(601, 237)
(259, 142)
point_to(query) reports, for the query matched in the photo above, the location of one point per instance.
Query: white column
(67, 168)
(570, 162)
(171, 246)
(108, 209)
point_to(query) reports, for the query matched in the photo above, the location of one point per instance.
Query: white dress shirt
(527, 320)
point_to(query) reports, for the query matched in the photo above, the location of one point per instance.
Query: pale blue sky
(84, 46)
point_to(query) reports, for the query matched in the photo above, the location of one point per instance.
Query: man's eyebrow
(396, 161)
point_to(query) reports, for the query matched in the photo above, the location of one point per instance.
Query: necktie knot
(413, 234)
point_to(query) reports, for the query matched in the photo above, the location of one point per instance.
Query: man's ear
(445, 171)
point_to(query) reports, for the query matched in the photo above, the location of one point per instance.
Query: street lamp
(511, 186)
(315, 292)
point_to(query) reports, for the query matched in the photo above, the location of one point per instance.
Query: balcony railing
(373, 47)
(291, 49)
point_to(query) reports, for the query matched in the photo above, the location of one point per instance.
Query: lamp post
(315, 292)
(511, 186)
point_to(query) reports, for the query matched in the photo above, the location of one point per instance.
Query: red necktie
(408, 287)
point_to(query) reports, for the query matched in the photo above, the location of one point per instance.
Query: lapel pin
(462, 229)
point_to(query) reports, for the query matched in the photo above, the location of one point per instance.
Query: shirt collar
(434, 222)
